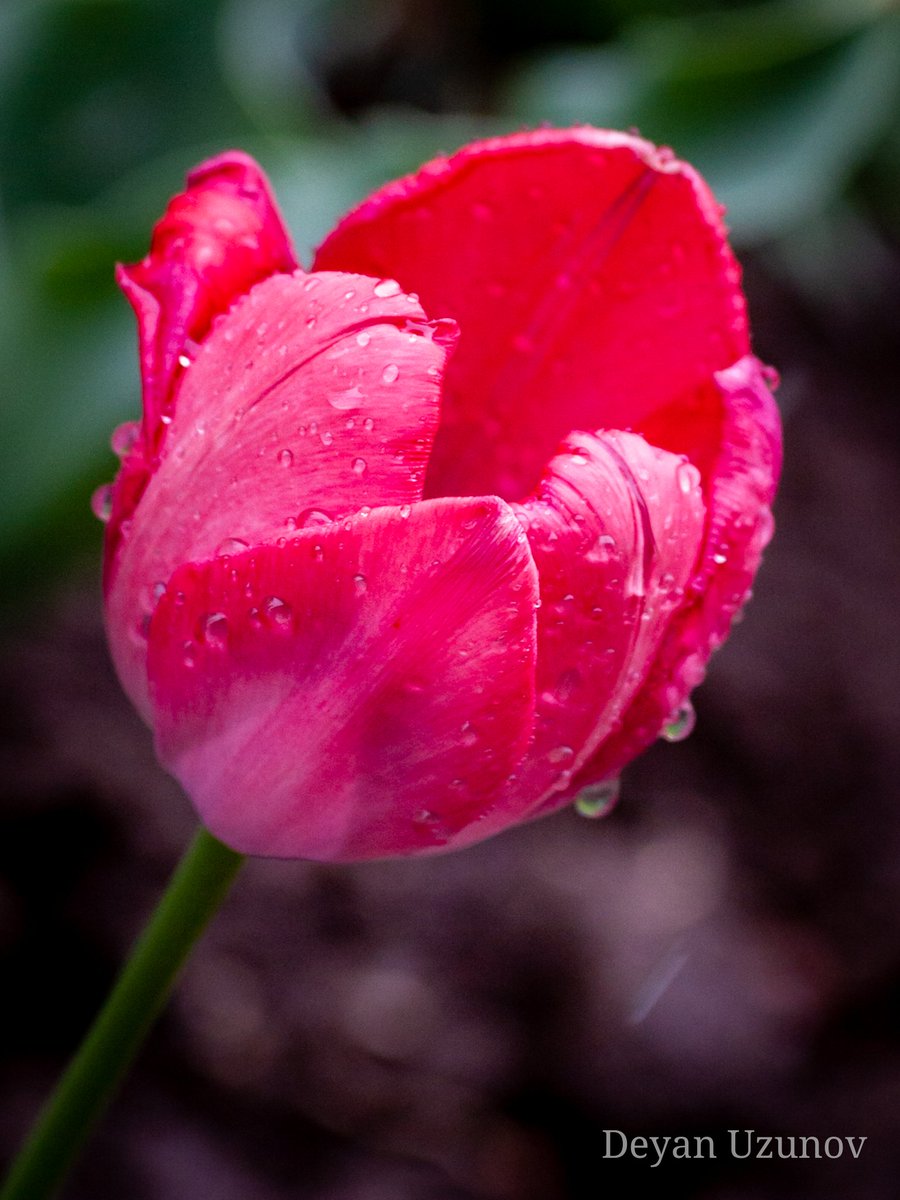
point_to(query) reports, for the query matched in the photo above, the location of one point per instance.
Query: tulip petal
(314, 397)
(741, 455)
(216, 240)
(360, 691)
(615, 529)
(591, 280)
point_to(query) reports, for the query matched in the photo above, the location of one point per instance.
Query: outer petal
(742, 476)
(314, 397)
(215, 241)
(591, 279)
(361, 691)
(615, 529)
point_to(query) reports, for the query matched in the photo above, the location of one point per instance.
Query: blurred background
(724, 950)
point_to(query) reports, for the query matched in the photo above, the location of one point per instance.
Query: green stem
(197, 889)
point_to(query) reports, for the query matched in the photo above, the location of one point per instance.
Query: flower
(427, 541)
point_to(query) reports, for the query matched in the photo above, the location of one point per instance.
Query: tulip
(438, 536)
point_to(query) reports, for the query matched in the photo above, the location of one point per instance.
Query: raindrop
(277, 610)
(123, 437)
(359, 466)
(680, 723)
(598, 799)
(312, 517)
(387, 287)
(230, 546)
(390, 373)
(102, 502)
(688, 477)
(215, 629)
(286, 458)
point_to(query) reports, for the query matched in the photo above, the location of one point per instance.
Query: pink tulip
(420, 544)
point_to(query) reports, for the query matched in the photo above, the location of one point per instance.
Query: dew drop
(124, 437)
(102, 502)
(286, 458)
(363, 339)
(560, 754)
(688, 478)
(368, 424)
(719, 559)
(359, 466)
(230, 546)
(680, 724)
(214, 629)
(312, 517)
(326, 438)
(387, 287)
(390, 373)
(405, 510)
(598, 799)
(278, 612)
(359, 585)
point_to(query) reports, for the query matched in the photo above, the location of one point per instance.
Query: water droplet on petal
(363, 339)
(311, 517)
(560, 754)
(102, 502)
(278, 612)
(214, 629)
(368, 424)
(124, 436)
(390, 373)
(326, 438)
(359, 584)
(598, 799)
(688, 478)
(286, 458)
(719, 559)
(230, 546)
(359, 466)
(680, 724)
(387, 287)
(405, 510)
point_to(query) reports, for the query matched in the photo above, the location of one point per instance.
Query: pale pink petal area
(218, 238)
(742, 462)
(314, 397)
(591, 280)
(363, 690)
(615, 529)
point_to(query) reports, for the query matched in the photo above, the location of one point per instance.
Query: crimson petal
(591, 280)
(317, 396)
(363, 690)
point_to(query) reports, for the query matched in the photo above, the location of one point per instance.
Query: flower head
(421, 543)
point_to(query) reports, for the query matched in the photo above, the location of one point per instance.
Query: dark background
(723, 952)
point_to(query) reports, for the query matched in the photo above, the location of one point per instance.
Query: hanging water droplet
(680, 724)
(387, 287)
(286, 458)
(390, 373)
(102, 502)
(358, 466)
(598, 799)
(123, 437)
